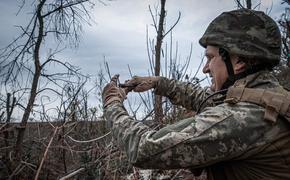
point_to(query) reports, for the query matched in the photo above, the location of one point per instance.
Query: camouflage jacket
(229, 141)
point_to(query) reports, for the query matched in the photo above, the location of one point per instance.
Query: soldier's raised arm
(186, 94)
(216, 135)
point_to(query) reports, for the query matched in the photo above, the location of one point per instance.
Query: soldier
(241, 130)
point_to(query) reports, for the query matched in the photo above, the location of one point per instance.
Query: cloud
(119, 33)
(120, 30)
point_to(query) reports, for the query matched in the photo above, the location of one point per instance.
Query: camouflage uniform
(230, 141)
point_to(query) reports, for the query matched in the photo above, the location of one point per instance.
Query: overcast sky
(119, 31)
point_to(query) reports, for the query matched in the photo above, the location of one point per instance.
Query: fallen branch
(45, 154)
(72, 174)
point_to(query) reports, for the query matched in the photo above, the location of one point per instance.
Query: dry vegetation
(79, 150)
(78, 146)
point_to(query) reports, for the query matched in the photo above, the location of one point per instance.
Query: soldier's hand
(140, 84)
(112, 93)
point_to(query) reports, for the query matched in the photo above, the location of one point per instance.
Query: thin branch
(48, 89)
(258, 5)
(176, 22)
(107, 67)
(45, 154)
(239, 4)
(75, 172)
(153, 19)
(20, 7)
(148, 50)
(249, 4)
(61, 7)
(91, 140)
(199, 66)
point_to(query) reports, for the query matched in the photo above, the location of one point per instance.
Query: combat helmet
(247, 33)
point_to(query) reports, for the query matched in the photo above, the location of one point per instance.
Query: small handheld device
(129, 87)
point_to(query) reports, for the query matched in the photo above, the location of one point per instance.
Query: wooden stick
(72, 174)
(45, 154)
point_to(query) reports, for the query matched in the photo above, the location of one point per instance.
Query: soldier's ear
(238, 65)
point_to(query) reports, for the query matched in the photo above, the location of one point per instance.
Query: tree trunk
(158, 99)
(33, 91)
(9, 109)
(249, 4)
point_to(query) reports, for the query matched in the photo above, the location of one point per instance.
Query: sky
(119, 31)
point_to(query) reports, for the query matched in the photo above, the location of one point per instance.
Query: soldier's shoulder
(241, 113)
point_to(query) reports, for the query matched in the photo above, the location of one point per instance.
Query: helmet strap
(231, 78)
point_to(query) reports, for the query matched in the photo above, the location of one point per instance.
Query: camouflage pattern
(249, 33)
(229, 141)
(186, 94)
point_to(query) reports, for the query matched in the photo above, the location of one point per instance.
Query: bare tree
(249, 4)
(159, 25)
(22, 59)
(159, 38)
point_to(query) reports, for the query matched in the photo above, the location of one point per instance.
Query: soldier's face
(215, 67)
